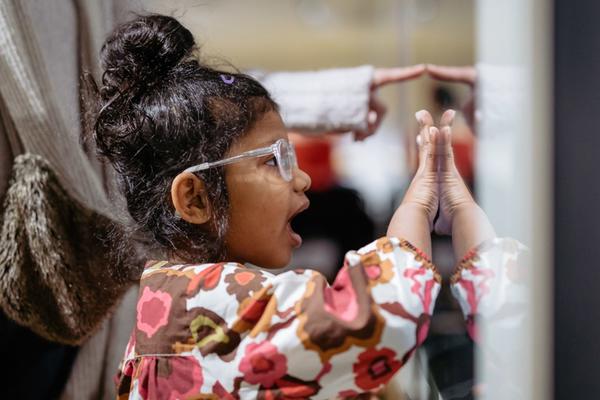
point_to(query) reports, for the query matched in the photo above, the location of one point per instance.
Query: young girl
(207, 171)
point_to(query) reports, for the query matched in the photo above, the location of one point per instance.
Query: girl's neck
(172, 257)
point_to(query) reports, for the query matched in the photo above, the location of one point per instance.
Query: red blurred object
(463, 158)
(314, 157)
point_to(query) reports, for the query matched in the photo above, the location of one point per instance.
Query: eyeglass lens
(286, 160)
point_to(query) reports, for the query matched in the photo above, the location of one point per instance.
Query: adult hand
(466, 75)
(383, 77)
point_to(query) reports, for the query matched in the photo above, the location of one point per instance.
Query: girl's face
(262, 203)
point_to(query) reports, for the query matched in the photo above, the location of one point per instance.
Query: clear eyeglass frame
(284, 152)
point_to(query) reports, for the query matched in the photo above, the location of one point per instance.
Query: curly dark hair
(160, 110)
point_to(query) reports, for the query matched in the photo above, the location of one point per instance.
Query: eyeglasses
(284, 152)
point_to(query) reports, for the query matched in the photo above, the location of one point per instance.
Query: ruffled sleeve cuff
(489, 278)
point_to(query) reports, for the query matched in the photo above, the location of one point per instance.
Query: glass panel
(500, 154)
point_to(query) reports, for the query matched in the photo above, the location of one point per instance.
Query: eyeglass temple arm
(249, 154)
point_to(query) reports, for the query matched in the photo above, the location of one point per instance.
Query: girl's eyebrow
(267, 142)
(259, 145)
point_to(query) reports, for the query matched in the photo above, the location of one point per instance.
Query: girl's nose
(301, 180)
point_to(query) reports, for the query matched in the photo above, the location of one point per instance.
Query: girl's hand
(413, 219)
(422, 194)
(454, 194)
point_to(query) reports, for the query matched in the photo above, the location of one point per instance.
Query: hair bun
(141, 51)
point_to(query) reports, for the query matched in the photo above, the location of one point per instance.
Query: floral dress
(225, 331)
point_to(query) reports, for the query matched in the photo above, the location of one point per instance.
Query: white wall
(514, 174)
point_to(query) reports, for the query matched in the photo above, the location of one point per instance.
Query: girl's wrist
(470, 227)
(418, 209)
(464, 207)
(411, 222)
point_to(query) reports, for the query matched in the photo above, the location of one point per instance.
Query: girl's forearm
(470, 227)
(410, 222)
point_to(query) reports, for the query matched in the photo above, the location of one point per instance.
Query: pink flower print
(184, 381)
(375, 368)
(170, 378)
(263, 364)
(340, 299)
(415, 274)
(349, 393)
(153, 311)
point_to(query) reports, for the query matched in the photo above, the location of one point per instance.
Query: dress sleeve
(324, 341)
(490, 282)
(318, 101)
(238, 332)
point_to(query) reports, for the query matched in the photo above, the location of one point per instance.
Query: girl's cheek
(271, 171)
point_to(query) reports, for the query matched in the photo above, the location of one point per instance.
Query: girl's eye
(272, 162)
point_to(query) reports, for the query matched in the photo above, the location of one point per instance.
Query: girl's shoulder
(168, 270)
(166, 266)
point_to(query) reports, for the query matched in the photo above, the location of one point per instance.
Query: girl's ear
(190, 198)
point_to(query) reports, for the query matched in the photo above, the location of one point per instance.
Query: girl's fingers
(424, 144)
(435, 145)
(424, 141)
(423, 118)
(447, 118)
(430, 160)
(444, 152)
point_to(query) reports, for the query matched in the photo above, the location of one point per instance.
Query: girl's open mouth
(295, 238)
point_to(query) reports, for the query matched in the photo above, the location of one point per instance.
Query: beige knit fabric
(58, 275)
(34, 109)
(39, 79)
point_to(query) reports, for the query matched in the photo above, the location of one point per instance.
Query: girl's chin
(275, 261)
(277, 256)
